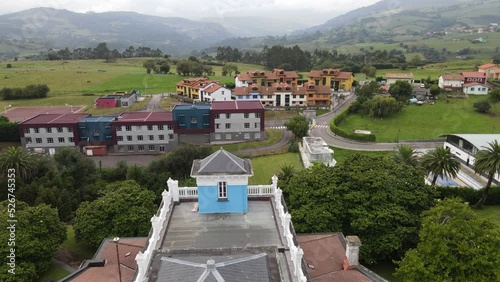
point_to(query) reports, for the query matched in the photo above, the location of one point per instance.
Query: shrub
(468, 194)
(9, 66)
(482, 107)
(293, 147)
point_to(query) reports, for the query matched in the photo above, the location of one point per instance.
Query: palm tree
(406, 154)
(286, 172)
(440, 162)
(17, 158)
(487, 161)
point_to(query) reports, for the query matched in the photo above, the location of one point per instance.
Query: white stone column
(352, 251)
(298, 263)
(275, 182)
(173, 187)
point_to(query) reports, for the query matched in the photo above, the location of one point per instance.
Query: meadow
(427, 122)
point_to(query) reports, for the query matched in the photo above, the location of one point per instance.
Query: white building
(476, 88)
(451, 81)
(214, 92)
(393, 77)
(316, 150)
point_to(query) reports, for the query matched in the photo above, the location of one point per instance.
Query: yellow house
(491, 70)
(190, 87)
(333, 78)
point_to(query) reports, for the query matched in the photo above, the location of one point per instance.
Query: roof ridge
(232, 159)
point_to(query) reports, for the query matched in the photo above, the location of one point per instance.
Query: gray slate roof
(242, 268)
(222, 162)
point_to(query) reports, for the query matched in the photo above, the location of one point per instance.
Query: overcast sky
(316, 11)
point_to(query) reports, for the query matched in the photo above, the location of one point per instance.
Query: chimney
(351, 260)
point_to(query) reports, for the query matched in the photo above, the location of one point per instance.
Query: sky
(316, 12)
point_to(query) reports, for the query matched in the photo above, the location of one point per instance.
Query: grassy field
(68, 80)
(341, 154)
(429, 121)
(489, 212)
(265, 167)
(273, 137)
(54, 273)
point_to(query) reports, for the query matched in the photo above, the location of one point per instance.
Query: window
(217, 116)
(37, 130)
(228, 136)
(222, 188)
(170, 136)
(60, 130)
(38, 140)
(301, 96)
(472, 89)
(128, 128)
(222, 92)
(194, 120)
(60, 139)
(138, 127)
(150, 127)
(161, 137)
(247, 125)
(160, 127)
(50, 140)
(151, 147)
(294, 96)
(95, 132)
(140, 148)
(151, 137)
(49, 129)
(130, 148)
(28, 140)
(129, 138)
(140, 137)
(71, 139)
(256, 125)
(118, 128)
(246, 115)
(217, 125)
(217, 136)
(119, 138)
(228, 116)
(257, 115)
(269, 96)
(246, 136)
(121, 149)
(228, 125)
(257, 135)
(169, 127)
(162, 148)
(27, 130)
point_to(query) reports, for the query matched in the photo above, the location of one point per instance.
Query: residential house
(476, 88)
(470, 77)
(451, 81)
(47, 132)
(190, 87)
(393, 77)
(492, 71)
(237, 120)
(263, 78)
(332, 78)
(214, 92)
(144, 133)
(116, 100)
(317, 95)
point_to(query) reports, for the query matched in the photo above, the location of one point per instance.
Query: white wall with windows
(48, 137)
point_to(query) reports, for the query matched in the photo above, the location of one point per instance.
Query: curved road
(343, 143)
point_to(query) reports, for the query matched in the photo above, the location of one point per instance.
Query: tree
(18, 159)
(165, 67)
(150, 65)
(124, 211)
(369, 71)
(407, 155)
(455, 245)
(228, 69)
(482, 106)
(375, 198)
(401, 90)
(74, 164)
(495, 95)
(496, 59)
(183, 67)
(416, 61)
(488, 161)
(39, 232)
(440, 162)
(368, 90)
(434, 90)
(383, 106)
(9, 66)
(298, 125)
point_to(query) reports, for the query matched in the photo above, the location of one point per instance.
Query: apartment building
(332, 78)
(263, 78)
(236, 120)
(190, 87)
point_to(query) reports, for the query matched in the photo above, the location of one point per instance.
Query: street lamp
(68, 105)
(6, 107)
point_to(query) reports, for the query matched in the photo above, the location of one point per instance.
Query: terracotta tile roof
(320, 89)
(474, 74)
(488, 66)
(475, 83)
(326, 253)
(270, 90)
(344, 75)
(453, 77)
(127, 250)
(195, 82)
(324, 72)
(244, 77)
(274, 75)
(399, 75)
(212, 88)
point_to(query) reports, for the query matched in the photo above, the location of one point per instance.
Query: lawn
(341, 154)
(489, 212)
(273, 137)
(54, 273)
(428, 122)
(265, 167)
(78, 250)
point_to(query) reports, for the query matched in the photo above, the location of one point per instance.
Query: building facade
(492, 71)
(393, 77)
(190, 87)
(284, 95)
(332, 78)
(237, 120)
(476, 88)
(263, 78)
(474, 77)
(214, 92)
(451, 81)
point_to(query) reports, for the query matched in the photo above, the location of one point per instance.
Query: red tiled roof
(270, 90)
(399, 75)
(274, 75)
(473, 74)
(324, 72)
(475, 83)
(452, 77)
(488, 66)
(344, 75)
(212, 88)
(55, 119)
(144, 117)
(125, 254)
(326, 253)
(236, 105)
(195, 82)
(244, 77)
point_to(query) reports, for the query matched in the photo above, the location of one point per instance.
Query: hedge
(346, 134)
(468, 194)
(9, 132)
